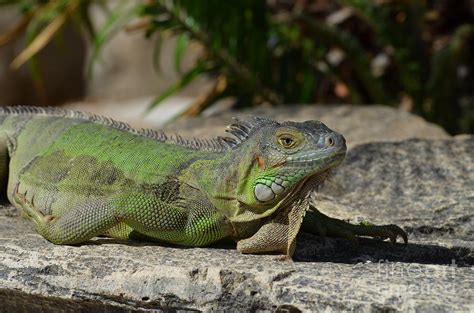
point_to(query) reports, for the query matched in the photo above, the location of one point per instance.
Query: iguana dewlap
(78, 175)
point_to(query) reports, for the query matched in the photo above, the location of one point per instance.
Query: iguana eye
(286, 141)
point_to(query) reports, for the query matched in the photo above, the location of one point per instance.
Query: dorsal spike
(237, 132)
(241, 129)
(241, 124)
(229, 142)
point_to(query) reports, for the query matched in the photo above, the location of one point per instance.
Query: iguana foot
(28, 207)
(320, 224)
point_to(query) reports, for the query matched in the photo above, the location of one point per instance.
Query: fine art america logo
(414, 279)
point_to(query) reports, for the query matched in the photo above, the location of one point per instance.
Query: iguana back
(85, 157)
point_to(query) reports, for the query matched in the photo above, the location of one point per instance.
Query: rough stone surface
(423, 185)
(359, 124)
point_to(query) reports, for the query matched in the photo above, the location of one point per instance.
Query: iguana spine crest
(218, 144)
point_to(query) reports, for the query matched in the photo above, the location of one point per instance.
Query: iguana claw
(28, 206)
(391, 231)
(320, 224)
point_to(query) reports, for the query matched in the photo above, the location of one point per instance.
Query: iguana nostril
(329, 141)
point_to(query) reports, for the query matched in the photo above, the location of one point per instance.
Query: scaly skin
(77, 175)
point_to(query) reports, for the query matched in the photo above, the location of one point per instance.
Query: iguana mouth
(315, 158)
(266, 190)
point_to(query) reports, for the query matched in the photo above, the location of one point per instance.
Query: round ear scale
(263, 193)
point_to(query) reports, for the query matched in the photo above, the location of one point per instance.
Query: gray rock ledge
(425, 186)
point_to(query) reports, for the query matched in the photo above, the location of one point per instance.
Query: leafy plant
(414, 54)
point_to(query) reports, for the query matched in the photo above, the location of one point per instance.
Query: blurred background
(160, 60)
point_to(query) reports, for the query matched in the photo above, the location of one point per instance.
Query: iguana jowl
(78, 175)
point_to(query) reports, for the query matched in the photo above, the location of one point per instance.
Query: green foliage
(187, 78)
(237, 51)
(116, 19)
(280, 53)
(418, 53)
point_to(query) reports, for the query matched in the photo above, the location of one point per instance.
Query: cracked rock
(423, 185)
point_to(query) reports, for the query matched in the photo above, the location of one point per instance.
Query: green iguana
(77, 175)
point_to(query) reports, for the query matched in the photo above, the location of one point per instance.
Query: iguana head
(276, 165)
(284, 156)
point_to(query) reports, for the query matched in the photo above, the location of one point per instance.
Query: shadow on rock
(311, 248)
(143, 241)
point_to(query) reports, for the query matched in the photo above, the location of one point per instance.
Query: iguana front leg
(319, 224)
(278, 234)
